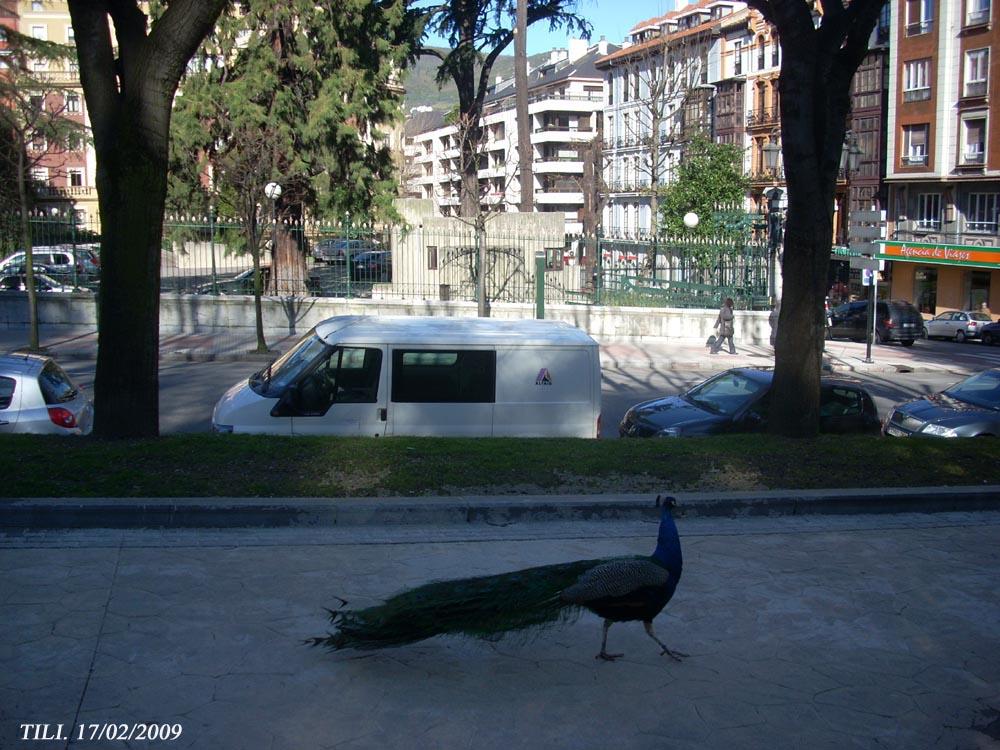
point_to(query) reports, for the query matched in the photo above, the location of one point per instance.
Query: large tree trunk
(131, 185)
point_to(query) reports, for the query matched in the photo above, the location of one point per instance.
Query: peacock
(620, 589)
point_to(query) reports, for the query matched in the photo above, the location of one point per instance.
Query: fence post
(540, 284)
(211, 233)
(72, 229)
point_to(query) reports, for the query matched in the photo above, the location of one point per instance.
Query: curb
(193, 513)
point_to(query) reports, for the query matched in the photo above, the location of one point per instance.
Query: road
(189, 390)
(822, 632)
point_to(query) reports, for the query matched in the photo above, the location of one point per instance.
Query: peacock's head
(667, 503)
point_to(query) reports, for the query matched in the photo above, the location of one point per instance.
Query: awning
(937, 253)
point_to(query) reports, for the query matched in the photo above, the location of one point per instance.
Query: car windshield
(980, 316)
(726, 394)
(982, 390)
(273, 379)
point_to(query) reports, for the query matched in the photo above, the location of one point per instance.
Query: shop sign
(931, 252)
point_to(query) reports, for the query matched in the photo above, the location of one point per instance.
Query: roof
(549, 73)
(657, 41)
(423, 122)
(430, 331)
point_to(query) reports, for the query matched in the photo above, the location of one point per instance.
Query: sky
(611, 18)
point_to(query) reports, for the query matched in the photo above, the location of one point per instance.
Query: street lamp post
(774, 229)
(273, 191)
(850, 160)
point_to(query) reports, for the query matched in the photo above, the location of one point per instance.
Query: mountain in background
(422, 90)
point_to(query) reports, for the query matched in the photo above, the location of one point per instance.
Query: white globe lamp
(272, 190)
(690, 219)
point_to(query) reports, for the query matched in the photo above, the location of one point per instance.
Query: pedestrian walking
(726, 325)
(772, 320)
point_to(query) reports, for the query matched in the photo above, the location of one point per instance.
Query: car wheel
(907, 342)
(988, 339)
(960, 337)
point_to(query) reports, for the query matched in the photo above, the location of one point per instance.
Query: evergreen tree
(307, 87)
(709, 176)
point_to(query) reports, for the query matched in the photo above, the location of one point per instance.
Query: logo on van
(544, 377)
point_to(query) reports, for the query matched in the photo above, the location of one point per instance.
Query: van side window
(349, 375)
(424, 376)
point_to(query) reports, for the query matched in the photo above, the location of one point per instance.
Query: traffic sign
(865, 263)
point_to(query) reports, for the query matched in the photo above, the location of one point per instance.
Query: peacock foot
(675, 655)
(608, 657)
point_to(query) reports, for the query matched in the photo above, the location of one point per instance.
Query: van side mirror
(288, 403)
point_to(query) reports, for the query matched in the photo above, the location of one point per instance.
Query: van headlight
(939, 431)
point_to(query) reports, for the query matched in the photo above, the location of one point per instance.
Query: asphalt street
(875, 631)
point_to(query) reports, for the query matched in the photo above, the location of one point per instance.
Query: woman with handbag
(726, 325)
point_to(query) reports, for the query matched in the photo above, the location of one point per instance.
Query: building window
(761, 51)
(976, 71)
(916, 80)
(611, 89)
(919, 16)
(39, 32)
(979, 290)
(432, 257)
(929, 211)
(914, 145)
(738, 58)
(72, 102)
(974, 140)
(70, 34)
(75, 177)
(981, 213)
(775, 53)
(925, 288)
(37, 6)
(40, 175)
(977, 12)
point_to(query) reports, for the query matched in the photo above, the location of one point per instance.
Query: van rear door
(344, 394)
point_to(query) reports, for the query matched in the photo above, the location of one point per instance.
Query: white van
(476, 377)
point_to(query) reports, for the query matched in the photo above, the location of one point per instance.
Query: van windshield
(273, 379)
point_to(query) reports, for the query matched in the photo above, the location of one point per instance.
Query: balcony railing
(917, 95)
(919, 27)
(977, 17)
(762, 117)
(975, 88)
(914, 160)
(974, 158)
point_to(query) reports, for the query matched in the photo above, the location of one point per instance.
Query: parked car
(970, 408)
(58, 261)
(43, 283)
(895, 320)
(37, 396)
(737, 400)
(241, 283)
(338, 249)
(990, 333)
(374, 265)
(957, 324)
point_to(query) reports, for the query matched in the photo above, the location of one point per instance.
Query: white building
(662, 88)
(566, 96)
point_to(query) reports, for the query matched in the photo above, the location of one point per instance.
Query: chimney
(577, 49)
(602, 46)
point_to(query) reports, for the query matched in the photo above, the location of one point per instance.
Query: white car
(43, 283)
(37, 396)
(958, 324)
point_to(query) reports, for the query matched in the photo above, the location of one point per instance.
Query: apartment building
(63, 179)
(943, 154)
(565, 98)
(664, 86)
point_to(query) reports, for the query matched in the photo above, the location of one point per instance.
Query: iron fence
(439, 261)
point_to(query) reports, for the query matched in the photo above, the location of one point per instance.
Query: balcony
(977, 17)
(920, 27)
(47, 191)
(913, 160)
(917, 95)
(763, 118)
(975, 88)
(559, 165)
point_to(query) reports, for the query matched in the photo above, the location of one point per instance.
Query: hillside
(422, 90)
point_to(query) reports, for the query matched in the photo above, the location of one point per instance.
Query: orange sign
(927, 252)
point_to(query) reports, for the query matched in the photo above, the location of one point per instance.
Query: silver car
(38, 397)
(957, 324)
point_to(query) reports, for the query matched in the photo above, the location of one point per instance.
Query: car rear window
(56, 386)
(7, 386)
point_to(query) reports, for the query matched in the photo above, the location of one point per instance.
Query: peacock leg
(677, 655)
(604, 645)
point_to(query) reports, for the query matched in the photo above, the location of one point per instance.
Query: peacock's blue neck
(668, 545)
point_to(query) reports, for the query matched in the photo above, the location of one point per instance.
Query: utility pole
(524, 149)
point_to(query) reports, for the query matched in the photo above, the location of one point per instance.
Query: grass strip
(266, 466)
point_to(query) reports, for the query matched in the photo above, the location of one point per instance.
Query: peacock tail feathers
(487, 607)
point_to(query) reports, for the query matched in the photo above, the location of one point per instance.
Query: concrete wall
(181, 313)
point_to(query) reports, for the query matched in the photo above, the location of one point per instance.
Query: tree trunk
(132, 186)
(471, 134)
(524, 148)
(29, 261)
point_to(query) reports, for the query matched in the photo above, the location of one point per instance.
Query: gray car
(37, 396)
(970, 408)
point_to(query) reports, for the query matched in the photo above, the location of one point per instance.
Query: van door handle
(383, 415)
